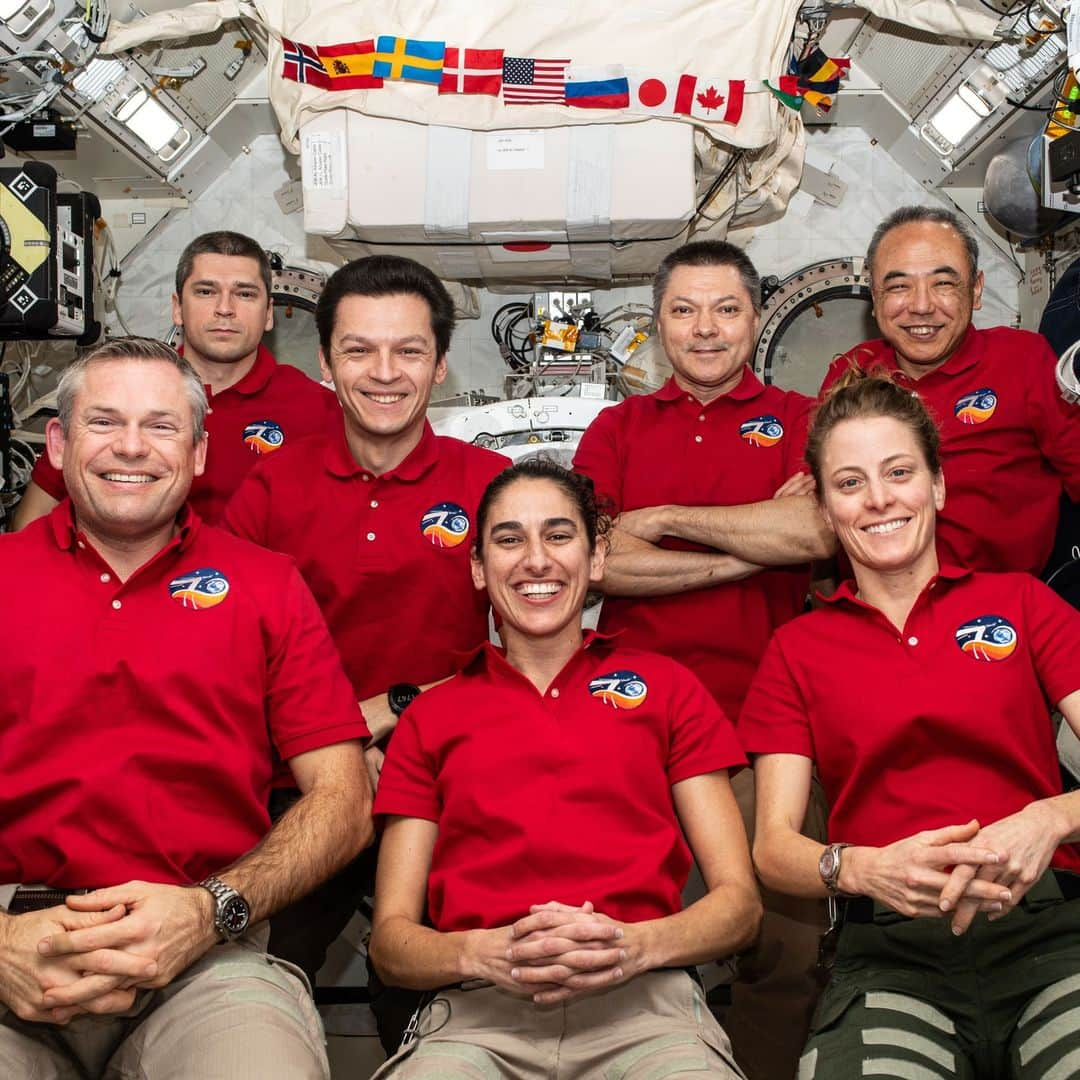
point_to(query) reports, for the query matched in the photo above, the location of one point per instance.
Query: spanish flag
(350, 66)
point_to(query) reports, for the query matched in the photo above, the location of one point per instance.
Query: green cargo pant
(910, 1000)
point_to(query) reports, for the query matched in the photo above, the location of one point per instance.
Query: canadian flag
(686, 95)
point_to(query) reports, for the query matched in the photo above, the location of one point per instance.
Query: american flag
(534, 82)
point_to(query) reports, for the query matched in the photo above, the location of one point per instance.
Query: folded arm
(780, 531)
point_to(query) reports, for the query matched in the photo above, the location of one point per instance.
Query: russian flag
(597, 88)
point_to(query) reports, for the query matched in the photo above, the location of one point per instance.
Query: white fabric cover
(938, 16)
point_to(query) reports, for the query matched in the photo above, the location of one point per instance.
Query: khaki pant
(655, 1027)
(235, 1014)
(776, 989)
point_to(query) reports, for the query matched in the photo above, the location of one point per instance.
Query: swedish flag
(404, 58)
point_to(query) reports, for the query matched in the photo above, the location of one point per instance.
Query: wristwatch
(829, 867)
(231, 911)
(401, 695)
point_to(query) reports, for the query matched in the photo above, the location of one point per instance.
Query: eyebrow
(214, 283)
(718, 300)
(548, 523)
(361, 339)
(884, 461)
(152, 414)
(937, 270)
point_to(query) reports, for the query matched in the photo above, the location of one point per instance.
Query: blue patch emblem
(989, 637)
(264, 436)
(762, 430)
(199, 589)
(620, 689)
(445, 525)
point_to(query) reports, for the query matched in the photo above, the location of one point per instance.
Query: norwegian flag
(534, 82)
(302, 65)
(472, 71)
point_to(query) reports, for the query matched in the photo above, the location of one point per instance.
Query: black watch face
(234, 915)
(400, 696)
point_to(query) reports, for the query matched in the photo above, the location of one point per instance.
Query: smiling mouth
(921, 331)
(128, 478)
(884, 527)
(384, 399)
(538, 590)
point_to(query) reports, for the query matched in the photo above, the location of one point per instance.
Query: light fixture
(969, 105)
(20, 16)
(153, 124)
(98, 78)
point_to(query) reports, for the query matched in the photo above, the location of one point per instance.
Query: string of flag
(527, 80)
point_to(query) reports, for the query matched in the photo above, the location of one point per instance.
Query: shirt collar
(491, 657)
(748, 387)
(67, 535)
(256, 380)
(421, 459)
(847, 591)
(879, 352)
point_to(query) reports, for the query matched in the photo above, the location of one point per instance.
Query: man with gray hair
(714, 530)
(156, 665)
(1009, 444)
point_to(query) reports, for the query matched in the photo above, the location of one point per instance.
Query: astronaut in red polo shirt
(257, 406)
(378, 514)
(706, 562)
(1009, 443)
(156, 666)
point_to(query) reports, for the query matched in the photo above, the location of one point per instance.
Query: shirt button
(374, 503)
(371, 536)
(913, 640)
(555, 692)
(697, 438)
(701, 417)
(106, 578)
(82, 546)
(117, 605)
(365, 477)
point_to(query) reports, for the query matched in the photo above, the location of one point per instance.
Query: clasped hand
(94, 954)
(963, 869)
(557, 952)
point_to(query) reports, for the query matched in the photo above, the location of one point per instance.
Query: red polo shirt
(270, 407)
(138, 719)
(387, 557)
(1009, 443)
(667, 448)
(562, 796)
(942, 722)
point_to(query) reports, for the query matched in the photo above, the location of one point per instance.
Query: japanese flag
(666, 94)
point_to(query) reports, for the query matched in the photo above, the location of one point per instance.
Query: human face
(880, 496)
(536, 564)
(128, 457)
(924, 294)
(384, 365)
(223, 309)
(708, 327)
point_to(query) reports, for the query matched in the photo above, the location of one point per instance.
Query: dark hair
(860, 395)
(938, 215)
(708, 253)
(577, 487)
(222, 243)
(137, 349)
(386, 275)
